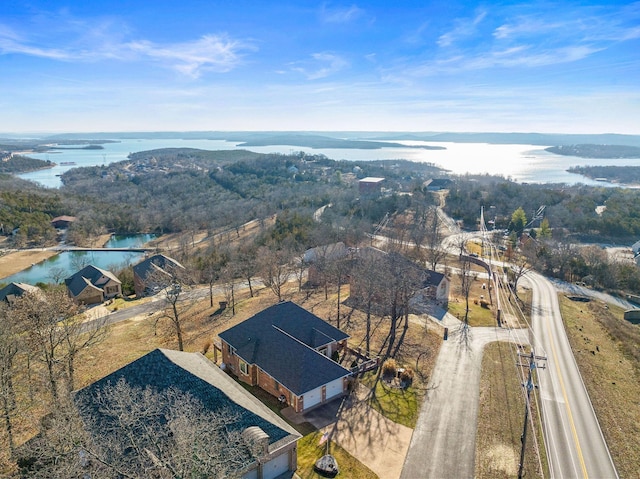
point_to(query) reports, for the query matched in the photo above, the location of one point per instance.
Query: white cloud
(340, 14)
(574, 24)
(211, 52)
(521, 56)
(416, 36)
(322, 65)
(464, 28)
(10, 46)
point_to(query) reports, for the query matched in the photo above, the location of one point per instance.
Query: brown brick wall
(267, 383)
(232, 362)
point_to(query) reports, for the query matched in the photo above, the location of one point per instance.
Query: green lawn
(310, 450)
(399, 405)
(478, 316)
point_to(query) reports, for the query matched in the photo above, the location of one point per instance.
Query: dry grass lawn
(16, 261)
(607, 350)
(129, 340)
(501, 418)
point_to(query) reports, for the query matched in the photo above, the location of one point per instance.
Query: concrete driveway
(377, 442)
(443, 443)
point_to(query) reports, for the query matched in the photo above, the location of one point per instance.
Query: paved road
(573, 438)
(156, 304)
(444, 439)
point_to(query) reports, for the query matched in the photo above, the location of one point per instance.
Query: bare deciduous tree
(9, 347)
(339, 268)
(229, 276)
(124, 431)
(173, 282)
(274, 268)
(466, 277)
(519, 267)
(55, 331)
(435, 253)
(367, 286)
(246, 262)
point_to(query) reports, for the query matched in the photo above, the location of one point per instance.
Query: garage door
(312, 398)
(276, 466)
(334, 388)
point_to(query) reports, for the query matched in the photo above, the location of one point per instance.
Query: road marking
(567, 407)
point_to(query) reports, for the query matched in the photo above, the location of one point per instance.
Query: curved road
(574, 442)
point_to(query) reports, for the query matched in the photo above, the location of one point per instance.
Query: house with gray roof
(286, 350)
(169, 372)
(148, 272)
(428, 287)
(92, 285)
(320, 258)
(14, 290)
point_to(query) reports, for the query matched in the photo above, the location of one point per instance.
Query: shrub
(389, 368)
(406, 377)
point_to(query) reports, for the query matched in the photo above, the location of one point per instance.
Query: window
(323, 351)
(276, 385)
(244, 367)
(232, 351)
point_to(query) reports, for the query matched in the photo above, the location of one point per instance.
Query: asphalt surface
(156, 304)
(573, 438)
(444, 439)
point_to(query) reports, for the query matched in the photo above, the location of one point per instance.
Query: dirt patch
(14, 262)
(503, 458)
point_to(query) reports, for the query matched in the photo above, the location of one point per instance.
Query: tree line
(569, 208)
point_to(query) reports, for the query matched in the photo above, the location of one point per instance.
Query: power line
(529, 387)
(500, 287)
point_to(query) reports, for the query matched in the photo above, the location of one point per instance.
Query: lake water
(65, 264)
(129, 241)
(522, 163)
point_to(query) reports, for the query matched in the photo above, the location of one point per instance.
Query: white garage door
(276, 466)
(334, 388)
(312, 398)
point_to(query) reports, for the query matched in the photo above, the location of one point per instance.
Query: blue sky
(122, 65)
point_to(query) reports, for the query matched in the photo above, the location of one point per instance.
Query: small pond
(63, 265)
(129, 241)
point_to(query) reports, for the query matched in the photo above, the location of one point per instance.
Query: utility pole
(529, 385)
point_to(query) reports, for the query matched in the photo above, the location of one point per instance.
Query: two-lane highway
(575, 445)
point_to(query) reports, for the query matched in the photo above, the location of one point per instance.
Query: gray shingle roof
(154, 263)
(282, 341)
(88, 277)
(192, 373)
(16, 289)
